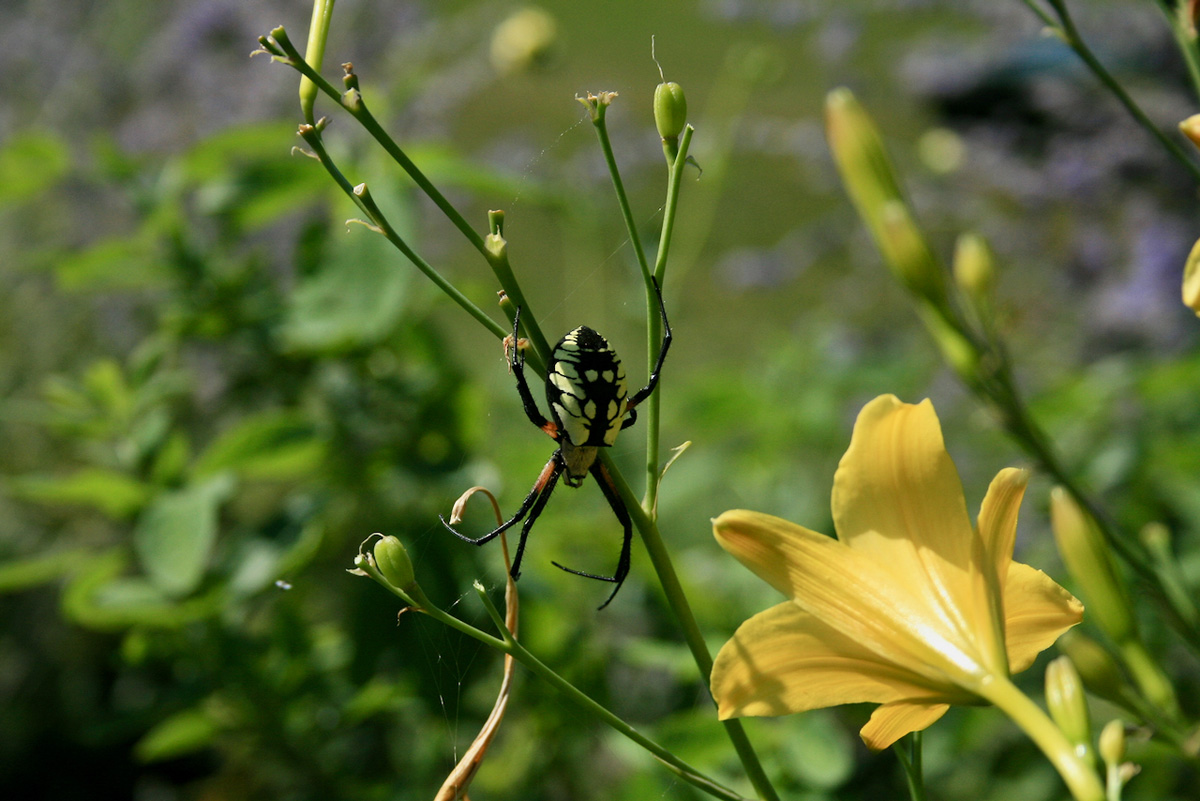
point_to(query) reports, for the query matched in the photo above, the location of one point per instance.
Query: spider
(586, 392)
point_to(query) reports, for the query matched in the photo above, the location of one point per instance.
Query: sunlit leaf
(115, 494)
(22, 574)
(355, 300)
(29, 163)
(183, 733)
(271, 445)
(175, 535)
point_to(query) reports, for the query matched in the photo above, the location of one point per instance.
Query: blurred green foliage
(212, 388)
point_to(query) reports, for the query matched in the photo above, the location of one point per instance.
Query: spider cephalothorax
(588, 398)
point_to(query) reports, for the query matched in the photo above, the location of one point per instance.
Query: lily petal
(997, 532)
(897, 495)
(998, 517)
(1037, 611)
(852, 592)
(785, 660)
(892, 721)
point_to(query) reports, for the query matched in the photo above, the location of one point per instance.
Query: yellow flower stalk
(911, 607)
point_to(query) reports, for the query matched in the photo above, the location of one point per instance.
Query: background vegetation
(212, 389)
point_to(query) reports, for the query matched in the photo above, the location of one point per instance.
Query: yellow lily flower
(911, 607)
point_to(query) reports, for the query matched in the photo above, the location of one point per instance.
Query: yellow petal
(997, 533)
(897, 495)
(872, 602)
(784, 660)
(892, 721)
(1037, 611)
(998, 517)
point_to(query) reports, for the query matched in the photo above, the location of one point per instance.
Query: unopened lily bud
(1097, 668)
(1086, 556)
(1112, 742)
(871, 182)
(1191, 129)
(973, 267)
(1067, 704)
(525, 39)
(394, 565)
(670, 110)
(958, 351)
(1191, 280)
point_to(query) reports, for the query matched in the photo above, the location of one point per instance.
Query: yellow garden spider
(586, 391)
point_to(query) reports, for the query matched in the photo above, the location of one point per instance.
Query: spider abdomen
(586, 390)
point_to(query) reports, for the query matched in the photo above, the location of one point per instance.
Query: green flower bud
(1067, 705)
(871, 182)
(1097, 668)
(973, 268)
(394, 565)
(670, 110)
(1086, 556)
(524, 40)
(1112, 742)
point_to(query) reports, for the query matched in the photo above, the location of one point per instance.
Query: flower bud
(1191, 280)
(871, 182)
(1097, 668)
(524, 40)
(670, 110)
(973, 267)
(394, 565)
(1086, 556)
(1112, 742)
(1191, 129)
(1067, 704)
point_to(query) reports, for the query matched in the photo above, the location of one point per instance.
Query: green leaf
(183, 733)
(175, 535)
(270, 445)
(115, 494)
(22, 574)
(356, 300)
(29, 163)
(818, 750)
(98, 597)
(114, 263)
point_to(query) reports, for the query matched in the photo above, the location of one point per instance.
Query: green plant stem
(281, 48)
(509, 645)
(654, 329)
(1082, 781)
(913, 770)
(661, 559)
(1185, 39)
(1001, 390)
(318, 33)
(362, 198)
(622, 199)
(1065, 28)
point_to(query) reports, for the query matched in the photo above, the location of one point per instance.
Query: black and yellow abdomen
(586, 390)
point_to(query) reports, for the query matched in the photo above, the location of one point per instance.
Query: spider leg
(618, 506)
(517, 362)
(551, 475)
(535, 501)
(645, 391)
